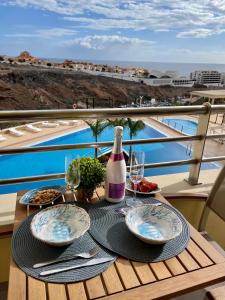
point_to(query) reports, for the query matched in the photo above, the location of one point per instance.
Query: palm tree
(117, 122)
(134, 127)
(97, 128)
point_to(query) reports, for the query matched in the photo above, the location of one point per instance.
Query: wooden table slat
(174, 286)
(112, 280)
(127, 273)
(144, 272)
(76, 291)
(198, 254)
(160, 270)
(214, 255)
(218, 293)
(189, 263)
(17, 278)
(56, 291)
(175, 266)
(100, 193)
(95, 287)
(36, 289)
(17, 283)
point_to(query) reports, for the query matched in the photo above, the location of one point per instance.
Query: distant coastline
(183, 69)
(152, 74)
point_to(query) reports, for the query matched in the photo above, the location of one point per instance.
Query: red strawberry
(144, 188)
(137, 186)
(153, 186)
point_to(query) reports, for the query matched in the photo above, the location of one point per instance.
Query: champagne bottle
(116, 170)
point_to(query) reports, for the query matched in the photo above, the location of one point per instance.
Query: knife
(92, 262)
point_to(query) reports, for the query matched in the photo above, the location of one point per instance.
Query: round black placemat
(27, 251)
(109, 229)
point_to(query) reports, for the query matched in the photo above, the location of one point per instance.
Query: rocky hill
(28, 87)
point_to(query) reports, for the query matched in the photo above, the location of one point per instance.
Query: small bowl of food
(42, 196)
(60, 225)
(153, 224)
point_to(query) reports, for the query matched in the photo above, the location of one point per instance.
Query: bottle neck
(117, 153)
(117, 147)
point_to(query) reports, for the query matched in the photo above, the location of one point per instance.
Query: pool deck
(30, 138)
(212, 147)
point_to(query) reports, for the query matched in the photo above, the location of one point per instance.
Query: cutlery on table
(92, 262)
(87, 254)
(124, 210)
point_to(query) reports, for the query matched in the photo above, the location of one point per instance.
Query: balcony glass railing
(195, 160)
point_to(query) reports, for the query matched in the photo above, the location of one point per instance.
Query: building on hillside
(209, 78)
(223, 78)
(25, 56)
(182, 82)
(166, 80)
(171, 73)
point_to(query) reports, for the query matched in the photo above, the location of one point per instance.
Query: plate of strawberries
(145, 187)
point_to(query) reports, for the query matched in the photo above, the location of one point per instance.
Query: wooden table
(199, 265)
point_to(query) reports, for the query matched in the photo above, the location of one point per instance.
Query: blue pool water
(31, 164)
(186, 126)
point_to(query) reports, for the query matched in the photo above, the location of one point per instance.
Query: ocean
(181, 68)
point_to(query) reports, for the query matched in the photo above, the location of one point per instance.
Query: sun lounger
(75, 122)
(32, 128)
(49, 125)
(66, 123)
(15, 132)
(218, 130)
(2, 138)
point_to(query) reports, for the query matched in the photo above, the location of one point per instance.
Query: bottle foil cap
(118, 130)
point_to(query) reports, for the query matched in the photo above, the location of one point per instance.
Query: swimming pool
(183, 125)
(31, 164)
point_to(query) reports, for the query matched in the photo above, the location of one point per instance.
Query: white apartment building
(223, 78)
(209, 78)
(176, 82)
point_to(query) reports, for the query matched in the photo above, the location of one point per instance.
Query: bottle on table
(116, 170)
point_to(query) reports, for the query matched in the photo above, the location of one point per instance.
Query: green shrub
(91, 173)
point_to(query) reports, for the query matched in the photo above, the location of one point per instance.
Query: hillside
(28, 87)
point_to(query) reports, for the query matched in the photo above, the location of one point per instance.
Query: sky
(126, 30)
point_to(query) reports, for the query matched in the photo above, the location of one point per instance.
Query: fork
(92, 252)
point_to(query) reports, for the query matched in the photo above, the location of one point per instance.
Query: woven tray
(27, 251)
(110, 230)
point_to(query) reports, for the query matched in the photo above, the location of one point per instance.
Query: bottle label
(117, 157)
(116, 190)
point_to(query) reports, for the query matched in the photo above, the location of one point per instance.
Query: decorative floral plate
(26, 198)
(153, 224)
(129, 188)
(60, 225)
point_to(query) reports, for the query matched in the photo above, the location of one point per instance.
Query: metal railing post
(198, 146)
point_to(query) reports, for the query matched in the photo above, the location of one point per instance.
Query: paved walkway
(36, 137)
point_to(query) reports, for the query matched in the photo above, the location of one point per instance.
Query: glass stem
(135, 192)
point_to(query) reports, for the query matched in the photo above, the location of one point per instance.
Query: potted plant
(91, 176)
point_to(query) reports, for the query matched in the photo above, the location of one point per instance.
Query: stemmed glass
(72, 173)
(136, 174)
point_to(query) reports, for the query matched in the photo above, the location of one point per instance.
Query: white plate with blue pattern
(153, 224)
(26, 198)
(60, 225)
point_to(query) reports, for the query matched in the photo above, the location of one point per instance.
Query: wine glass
(72, 173)
(136, 174)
